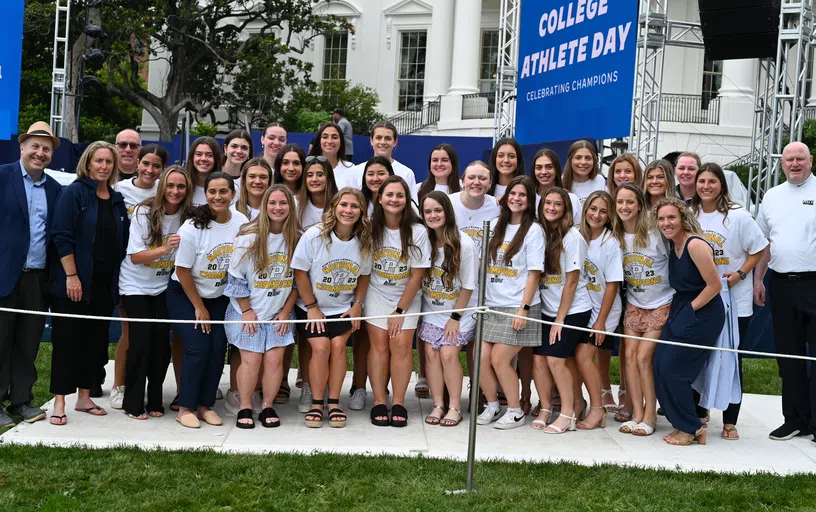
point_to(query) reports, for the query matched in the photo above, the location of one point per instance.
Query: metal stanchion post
(477, 358)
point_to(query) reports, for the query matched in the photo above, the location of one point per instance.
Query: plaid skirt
(499, 328)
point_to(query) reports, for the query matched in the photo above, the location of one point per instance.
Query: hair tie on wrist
(70, 275)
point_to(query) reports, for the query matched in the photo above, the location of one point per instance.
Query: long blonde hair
(668, 175)
(242, 203)
(585, 228)
(362, 228)
(259, 227)
(642, 223)
(157, 205)
(629, 158)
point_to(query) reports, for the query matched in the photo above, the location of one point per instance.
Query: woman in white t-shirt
(514, 267)
(546, 171)
(603, 269)
(152, 159)
(317, 192)
(196, 292)
(581, 176)
(332, 145)
(443, 169)
(564, 300)
(289, 168)
(658, 182)
(256, 177)
(506, 162)
(648, 302)
(332, 264)
(203, 158)
(143, 279)
(623, 169)
(448, 284)
(377, 170)
(401, 253)
(260, 288)
(738, 245)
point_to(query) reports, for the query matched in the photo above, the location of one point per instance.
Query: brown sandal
(729, 433)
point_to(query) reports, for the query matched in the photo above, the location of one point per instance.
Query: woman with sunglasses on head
(648, 301)
(658, 182)
(401, 253)
(332, 145)
(332, 264)
(506, 162)
(546, 171)
(289, 168)
(256, 178)
(260, 288)
(443, 172)
(581, 175)
(196, 292)
(143, 280)
(448, 284)
(203, 158)
(738, 245)
(273, 139)
(514, 267)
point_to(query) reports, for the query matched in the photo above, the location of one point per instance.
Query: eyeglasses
(131, 145)
(321, 159)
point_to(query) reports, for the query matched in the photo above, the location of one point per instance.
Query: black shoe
(96, 392)
(788, 431)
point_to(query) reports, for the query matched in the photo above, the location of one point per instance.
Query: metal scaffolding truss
(504, 116)
(59, 72)
(783, 97)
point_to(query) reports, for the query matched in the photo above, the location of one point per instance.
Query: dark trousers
(203, 352)
(148, 354)
(793, 309)
(20, 338)
(76, 361)
(731, 414)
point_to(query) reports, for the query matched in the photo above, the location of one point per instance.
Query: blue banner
(11, 56)
(576, 69)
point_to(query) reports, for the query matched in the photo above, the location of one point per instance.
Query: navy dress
(676, 368)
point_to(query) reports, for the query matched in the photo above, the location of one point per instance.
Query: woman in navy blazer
(89, 233)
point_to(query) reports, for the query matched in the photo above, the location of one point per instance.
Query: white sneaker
(489, 415)
(513, 418)
(233, 402)
(218, 394)
(257, 403)
(117, 397)
(305, 400)
(358, 400)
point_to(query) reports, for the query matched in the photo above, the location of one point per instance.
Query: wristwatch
(525, 307)
(361, 303)
(398, 310)
(741, 274)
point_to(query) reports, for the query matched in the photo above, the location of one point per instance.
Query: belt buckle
(794, 277)
(26, 270)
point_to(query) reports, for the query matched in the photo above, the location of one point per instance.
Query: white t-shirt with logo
(646, 271)
(437, 297)
(469, 221)
(733, 238)
(268, 289)
(134, 195)
(389, 273)
(207, 253)
(576, 208)
(311, 215)
(582, 190)
(551, 286)
(506, 280)
(787, 217)
(150, 278)
(604, 264)
(334, 269)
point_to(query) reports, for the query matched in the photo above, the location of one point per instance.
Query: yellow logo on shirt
(637, 269)
(340, 276)
(716, 239)
(276, 278)
(434, 288)
(502, 269)
(219, 257)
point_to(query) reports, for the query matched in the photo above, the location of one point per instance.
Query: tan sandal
(189, 420)
(729, 433)
(450, 422)
(211, 418)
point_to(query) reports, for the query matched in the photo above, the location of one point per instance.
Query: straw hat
(39, 129)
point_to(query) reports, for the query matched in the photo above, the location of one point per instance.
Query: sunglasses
(131, 145)
(321, 159)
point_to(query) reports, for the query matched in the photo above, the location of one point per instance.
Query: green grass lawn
(57, 479)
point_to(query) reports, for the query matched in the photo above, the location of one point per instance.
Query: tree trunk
(75, 75)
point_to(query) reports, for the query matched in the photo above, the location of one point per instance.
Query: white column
(440, 50)
(466, 47)
(812, 98)
(737, 93)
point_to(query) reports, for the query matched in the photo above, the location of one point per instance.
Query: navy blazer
(74, 232)
(15, 234)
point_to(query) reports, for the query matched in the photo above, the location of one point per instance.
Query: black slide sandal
(268, 414)
(245, 414)
(379, 410)
(399, 410)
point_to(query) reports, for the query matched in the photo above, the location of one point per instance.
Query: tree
(236, 52)
(310, 106)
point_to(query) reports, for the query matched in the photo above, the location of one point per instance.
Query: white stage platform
(754, 452)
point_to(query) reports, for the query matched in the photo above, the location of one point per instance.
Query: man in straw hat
(29, 196)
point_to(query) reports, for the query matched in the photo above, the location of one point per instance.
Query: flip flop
(59, 419)
(89, 410)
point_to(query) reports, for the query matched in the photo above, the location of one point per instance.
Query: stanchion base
(459, 491)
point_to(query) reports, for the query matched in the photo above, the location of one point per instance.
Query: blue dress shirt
(37, 213)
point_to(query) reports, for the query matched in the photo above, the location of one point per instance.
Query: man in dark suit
(28, 198)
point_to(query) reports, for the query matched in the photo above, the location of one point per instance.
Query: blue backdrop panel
(11, 55)
(576, 69)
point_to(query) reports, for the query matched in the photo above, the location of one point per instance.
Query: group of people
(646, 253)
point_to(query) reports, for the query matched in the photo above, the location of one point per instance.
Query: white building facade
(444, 52)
